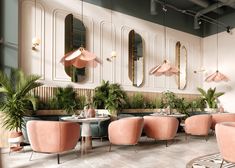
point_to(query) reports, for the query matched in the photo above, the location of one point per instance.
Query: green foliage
(137, 101)
(101, 94)
(210, 96)
(109, 96)
(65, 98)
(168, 99)
(182, 106)
(116, 98)
(16, 98)
(198, 104)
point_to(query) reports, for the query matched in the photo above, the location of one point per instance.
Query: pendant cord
(217, 42)
(111, 5)
(82, 23)
(35, 16)
(164, 24)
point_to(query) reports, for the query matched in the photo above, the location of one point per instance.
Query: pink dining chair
(225, 135)
(161, 127)
(52, 136)
(198, 125)
(222, 117)
(125, 131)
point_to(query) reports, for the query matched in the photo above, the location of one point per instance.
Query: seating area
(117, 83)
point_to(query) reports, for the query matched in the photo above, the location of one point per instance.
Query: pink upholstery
(223, 117)
(126, 131)
(198, 124)
(52, 136)
(225, 135)
(160, 127)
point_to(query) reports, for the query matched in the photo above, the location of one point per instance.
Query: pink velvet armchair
(225, 135)
(126, 131)
(198, 125)
(52, 136)
(222, 117)
(160, 127)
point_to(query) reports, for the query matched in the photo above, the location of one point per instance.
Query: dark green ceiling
(174, 19)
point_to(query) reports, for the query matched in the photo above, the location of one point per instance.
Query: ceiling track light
(193, 14)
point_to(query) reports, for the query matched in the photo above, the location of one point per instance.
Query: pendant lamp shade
(165, 68)
(80, 57)
(217, 76)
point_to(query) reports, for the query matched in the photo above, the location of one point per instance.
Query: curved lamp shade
(217, 77)
(80, 58)
(164, 69)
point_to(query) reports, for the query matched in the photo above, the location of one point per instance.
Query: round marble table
(86, 142)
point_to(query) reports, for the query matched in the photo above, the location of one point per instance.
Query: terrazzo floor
(147, 154)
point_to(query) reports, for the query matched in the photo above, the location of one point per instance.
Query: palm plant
(210, 96)
(16, 97)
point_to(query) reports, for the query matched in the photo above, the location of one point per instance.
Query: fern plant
(210, 96)
(16, 97)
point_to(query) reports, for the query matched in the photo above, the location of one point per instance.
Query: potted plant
(210, 97)
(16, 101)
(109, 96)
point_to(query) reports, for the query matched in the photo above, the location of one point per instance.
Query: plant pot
(15, 138)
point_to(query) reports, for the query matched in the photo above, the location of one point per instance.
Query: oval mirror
(136, 59)
(181, 61)
(75, 36)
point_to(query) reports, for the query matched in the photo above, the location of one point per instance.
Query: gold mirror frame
(181, 63)
(136, 59)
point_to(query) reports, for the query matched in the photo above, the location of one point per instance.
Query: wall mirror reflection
(181, 61)
(136, 59)
(75, 36)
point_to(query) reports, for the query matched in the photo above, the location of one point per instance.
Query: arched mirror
(136, 59)
(181, 61)
(75, 36)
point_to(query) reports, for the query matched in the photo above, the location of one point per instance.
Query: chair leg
(58, 158)
(110, 146)
(30, 158)
(135, 148)
(206, 137)
(166, 143)
(222, 163)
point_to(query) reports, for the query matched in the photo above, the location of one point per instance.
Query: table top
(170, 115)
(85, 120)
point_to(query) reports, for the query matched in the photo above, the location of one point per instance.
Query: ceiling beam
(206, 4)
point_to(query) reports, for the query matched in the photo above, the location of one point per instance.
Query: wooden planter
(144, 110)
(54, 112)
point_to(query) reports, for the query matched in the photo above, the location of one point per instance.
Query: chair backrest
(161, 127)
(126, 131)
(198, 124)
(222, 117)
(52, 136)
(225, 135)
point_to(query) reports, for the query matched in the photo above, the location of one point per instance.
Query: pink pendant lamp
(217, 76)
(165, 68)
(80, 57)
